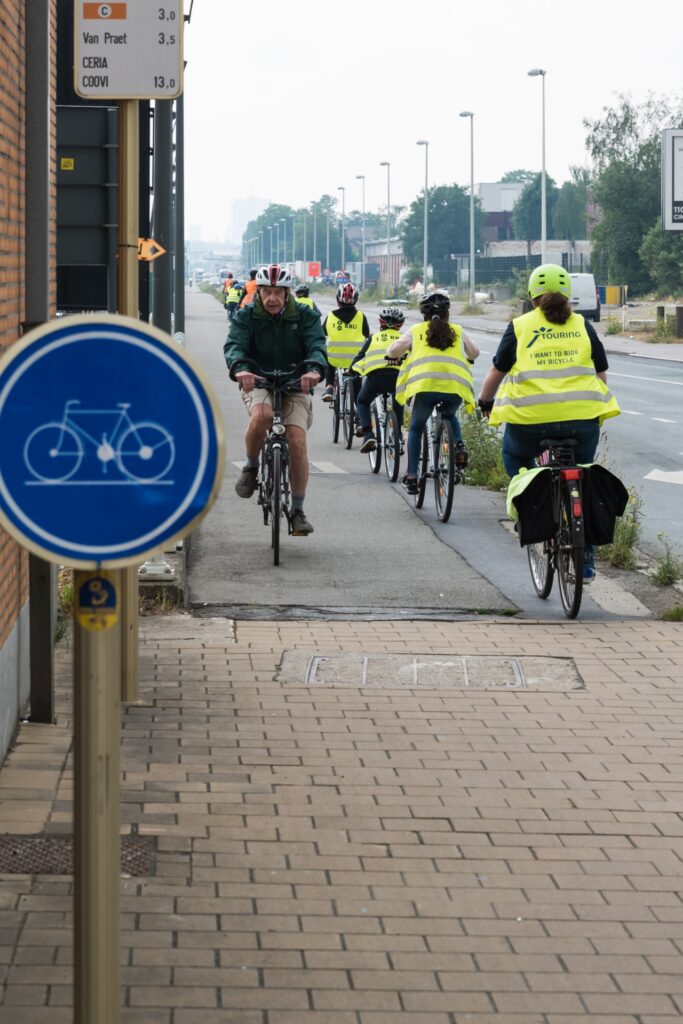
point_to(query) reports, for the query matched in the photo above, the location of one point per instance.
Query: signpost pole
(128, 303)
(97, 666)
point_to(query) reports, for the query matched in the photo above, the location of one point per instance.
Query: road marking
(654, 380)
(630, 412)
(326, 467)
(665, 478)
(659, 419)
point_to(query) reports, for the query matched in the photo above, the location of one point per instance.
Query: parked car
(585, 298)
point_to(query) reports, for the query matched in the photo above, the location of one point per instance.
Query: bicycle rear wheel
(444, 470)
(276, 506)
(375, 456)
(336, 409)
(422, 470)
(569, 562)
(541, 567)
(392, 446)
(349, 414)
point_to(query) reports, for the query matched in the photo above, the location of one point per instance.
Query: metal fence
(454, 270)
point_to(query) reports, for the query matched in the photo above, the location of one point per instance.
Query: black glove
(485, 406)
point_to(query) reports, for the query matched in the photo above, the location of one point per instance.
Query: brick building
(27, 264)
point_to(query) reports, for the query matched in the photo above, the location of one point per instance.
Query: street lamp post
(277, 241)
(283, 221)
(342, 189)
(534, 73)
(270, 228)
(305, 242)
(361, 177)
(315, 233)
(470, 114)
(425, 143)
(327, 238)
(261, 253)
(385, 163)
(293, 220)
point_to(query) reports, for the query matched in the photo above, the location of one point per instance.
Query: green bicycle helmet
(549, 278)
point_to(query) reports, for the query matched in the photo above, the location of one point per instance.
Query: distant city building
(497, 199)
(244, 210)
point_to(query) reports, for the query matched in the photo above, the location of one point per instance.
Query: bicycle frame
(69, 414)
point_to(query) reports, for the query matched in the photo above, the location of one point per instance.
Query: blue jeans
(522, 442)
(423, 403)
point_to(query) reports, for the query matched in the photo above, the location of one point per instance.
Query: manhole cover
(54, 855)
(420, 671)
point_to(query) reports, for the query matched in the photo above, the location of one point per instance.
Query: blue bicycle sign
(142, 452)
(112, 441)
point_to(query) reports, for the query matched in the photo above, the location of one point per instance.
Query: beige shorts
(297, 410)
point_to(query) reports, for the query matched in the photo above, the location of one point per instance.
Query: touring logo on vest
(548, 334)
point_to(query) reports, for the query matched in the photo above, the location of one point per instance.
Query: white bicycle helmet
(274, 276)
(347, 294)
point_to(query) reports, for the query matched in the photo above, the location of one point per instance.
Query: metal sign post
(117, 450)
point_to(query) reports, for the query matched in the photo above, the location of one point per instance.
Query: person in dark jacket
(275, 331)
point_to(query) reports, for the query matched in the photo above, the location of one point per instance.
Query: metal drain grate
(54, 855)
(422, 671)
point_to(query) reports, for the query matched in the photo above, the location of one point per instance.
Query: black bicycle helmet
(435, 304)
(302, 291)
(391, 317)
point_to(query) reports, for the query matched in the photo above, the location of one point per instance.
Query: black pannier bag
(534, 507)
(604, 499)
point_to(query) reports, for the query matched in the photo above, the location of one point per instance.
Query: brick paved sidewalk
(347, 855)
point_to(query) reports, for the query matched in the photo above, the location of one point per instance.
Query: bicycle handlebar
(274, 378)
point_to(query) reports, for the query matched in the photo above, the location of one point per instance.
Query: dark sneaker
(588, 573)
(359, 432)
(246, 485)
(410, 484)
(328, 395)
(369, 443)
(462, 456)
(300, 524)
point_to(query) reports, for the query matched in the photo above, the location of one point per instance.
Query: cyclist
(275, 331)
(347, 330)
(555, 372)
(380, 377)
(233, 297)
(249, 290)
(437, 370)
(303, 296)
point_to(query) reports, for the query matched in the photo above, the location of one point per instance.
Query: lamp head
(466, 113)
(535, 72)
(385, 163)
(423, 142)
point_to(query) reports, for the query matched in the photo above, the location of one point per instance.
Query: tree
(448, 221)
(520, 175)
(526, 213)
(662, 255)
(624, 145)
(569, 212)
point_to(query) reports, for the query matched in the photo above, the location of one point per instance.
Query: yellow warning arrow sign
(149, 250)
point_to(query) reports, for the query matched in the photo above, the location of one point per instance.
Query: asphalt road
(372, 553)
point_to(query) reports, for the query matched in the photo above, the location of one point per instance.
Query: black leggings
(381, 382)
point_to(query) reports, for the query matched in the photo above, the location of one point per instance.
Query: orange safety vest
(249, 293)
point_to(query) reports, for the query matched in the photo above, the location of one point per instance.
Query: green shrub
(674, 614)
(472, 309)
(622, 551)
(614, 326)
(665, 328)
(485, 445)
(669, 567)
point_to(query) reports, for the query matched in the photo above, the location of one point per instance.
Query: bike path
(369, 552)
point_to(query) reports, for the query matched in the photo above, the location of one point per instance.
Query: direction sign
(131, 50)
(149, 250)
(672, 179)
(112, 441)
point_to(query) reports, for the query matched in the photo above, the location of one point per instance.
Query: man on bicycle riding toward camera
(275, 332)
(556, 370)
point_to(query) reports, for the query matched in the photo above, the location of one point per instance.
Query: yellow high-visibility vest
(305, 300)
(553, 378)
(344, 341)
(234, 294)
(374, 358)
(431, 369)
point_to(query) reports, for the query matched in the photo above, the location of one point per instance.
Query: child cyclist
(437, 370)
(346, 330)
(380, 377)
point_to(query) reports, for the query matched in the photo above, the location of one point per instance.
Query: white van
(584, 298)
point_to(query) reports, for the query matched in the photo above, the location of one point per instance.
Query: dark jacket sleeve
(362, 352)
(366, 327)
(238, 340)
(314, 340)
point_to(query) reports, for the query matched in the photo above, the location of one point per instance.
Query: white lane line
(676, 477)
(326, 467)
(630, 412)
(654, 380)
(659, 419)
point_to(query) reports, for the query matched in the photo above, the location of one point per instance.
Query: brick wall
(14, 561)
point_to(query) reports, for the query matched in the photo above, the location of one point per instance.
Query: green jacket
(275, 342)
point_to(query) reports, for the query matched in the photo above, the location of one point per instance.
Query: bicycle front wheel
(276, 505)
(541, 567)
(569, 562)
(392, 446)
(444, 470)
(349, 413)
(422, 471)
(375, 456)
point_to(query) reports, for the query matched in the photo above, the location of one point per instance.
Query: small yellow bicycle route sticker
(97, 601)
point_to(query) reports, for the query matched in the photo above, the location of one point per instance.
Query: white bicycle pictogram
(143, 452)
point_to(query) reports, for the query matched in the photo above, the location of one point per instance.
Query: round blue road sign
(111, 441)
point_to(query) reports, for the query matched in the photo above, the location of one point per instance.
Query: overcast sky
(287, 101)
